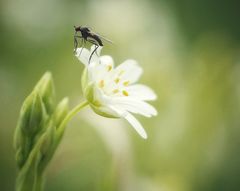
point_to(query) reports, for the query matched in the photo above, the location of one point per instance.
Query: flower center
(114, 84)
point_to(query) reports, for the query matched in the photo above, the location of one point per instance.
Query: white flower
(112, 92)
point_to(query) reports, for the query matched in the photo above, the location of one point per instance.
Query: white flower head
(112, 91)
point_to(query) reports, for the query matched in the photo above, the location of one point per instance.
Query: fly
(86, 35)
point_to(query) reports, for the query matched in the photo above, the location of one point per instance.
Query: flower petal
(95, 56)
(134, 106)
(107, 61)
(136, 125)
(129, 70)
(141, 92)
(83, 55)
(132, 120)
(100, 71)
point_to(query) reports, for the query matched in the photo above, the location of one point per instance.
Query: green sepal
(84, 79)
(89, 92)
(100, 111)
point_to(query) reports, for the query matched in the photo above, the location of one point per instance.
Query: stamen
(101, 84)
(109, 67)
(126, 83)
(115, 91)
(117, 80)
(124, 92)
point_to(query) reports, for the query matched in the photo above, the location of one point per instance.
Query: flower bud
(30, 124)
(34, 117)
(47, 145)
(61, 111)
(45, 88)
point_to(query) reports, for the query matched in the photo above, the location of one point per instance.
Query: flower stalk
(68, 117)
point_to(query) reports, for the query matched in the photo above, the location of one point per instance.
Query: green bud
(61, 111)
(30, 124)
(45, 88)
(36, 137)
(47, 145)
(34, 117)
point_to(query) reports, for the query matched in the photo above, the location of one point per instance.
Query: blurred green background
(190, 52)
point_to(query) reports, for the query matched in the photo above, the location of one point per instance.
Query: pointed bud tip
(65, 101)
(47, 75)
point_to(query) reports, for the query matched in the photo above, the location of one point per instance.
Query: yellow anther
(126, 83)
(124, 92)
(109, 67)
(101, 84)
(115, 91)
(117, 80)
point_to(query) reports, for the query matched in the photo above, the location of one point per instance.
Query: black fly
(86, 35)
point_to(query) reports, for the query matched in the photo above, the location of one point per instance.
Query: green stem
(69, 116)
(39, 183)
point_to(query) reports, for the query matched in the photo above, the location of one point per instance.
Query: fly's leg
(96, 47)
(94, 51)
(76, 42)
(93, 42)
(83, 45)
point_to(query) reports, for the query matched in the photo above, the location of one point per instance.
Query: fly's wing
(106, 39)
(103, 38)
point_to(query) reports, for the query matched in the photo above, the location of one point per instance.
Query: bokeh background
(190, 52)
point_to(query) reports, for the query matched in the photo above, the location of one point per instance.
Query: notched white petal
(107, 61)
(83, 55)
(136, 125)
(129, 70)
(141, 92)
(135, 106)
(132, 120)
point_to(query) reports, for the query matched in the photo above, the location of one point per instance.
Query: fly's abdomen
(97, 38)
